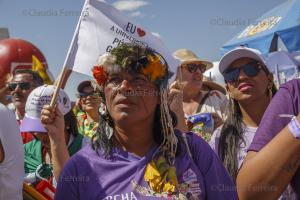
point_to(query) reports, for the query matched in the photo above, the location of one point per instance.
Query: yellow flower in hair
(155, 69)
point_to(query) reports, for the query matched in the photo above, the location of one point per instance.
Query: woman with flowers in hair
(136, 153)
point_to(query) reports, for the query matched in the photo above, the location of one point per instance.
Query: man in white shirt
(11, 155)
(11, 147)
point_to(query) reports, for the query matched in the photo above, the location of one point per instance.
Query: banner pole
(58, 86)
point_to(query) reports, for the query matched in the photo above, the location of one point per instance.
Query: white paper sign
(101, 28)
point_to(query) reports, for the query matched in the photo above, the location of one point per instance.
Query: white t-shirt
(12, 167)
(248, 133)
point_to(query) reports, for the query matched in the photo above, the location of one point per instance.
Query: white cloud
(136, 14)
(129, 5)
(156, 34)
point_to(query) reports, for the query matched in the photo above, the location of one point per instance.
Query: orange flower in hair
(100, 75)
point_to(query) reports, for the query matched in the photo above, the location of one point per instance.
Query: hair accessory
(133, 59)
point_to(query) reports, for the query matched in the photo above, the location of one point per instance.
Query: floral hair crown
(132, 58)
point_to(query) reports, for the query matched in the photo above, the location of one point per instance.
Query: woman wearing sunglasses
(88, 113)
(203, 110)
(250, 87)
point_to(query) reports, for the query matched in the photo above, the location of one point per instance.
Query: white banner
(101, 27)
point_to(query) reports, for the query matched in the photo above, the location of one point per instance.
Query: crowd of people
(131, 134)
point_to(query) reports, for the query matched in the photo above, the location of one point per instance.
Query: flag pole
(62, 76)
(58, 86)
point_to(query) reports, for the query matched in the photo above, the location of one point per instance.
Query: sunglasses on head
(193, 67)
(251, 69)
(22, 85)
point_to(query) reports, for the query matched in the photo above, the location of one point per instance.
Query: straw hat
(186, 55)
(213, 85)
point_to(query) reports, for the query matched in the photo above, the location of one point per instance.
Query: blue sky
(200, 25)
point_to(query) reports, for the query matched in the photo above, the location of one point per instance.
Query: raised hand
(53, 121)
(175, 100)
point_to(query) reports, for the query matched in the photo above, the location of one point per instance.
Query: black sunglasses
(192, 67)
(251, 69)
(22, 85)
(92, 94)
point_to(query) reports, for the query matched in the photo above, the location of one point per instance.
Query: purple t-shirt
(88, 175)
(286, 101)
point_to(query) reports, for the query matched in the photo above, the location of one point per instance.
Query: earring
(270, 93)
(102, 109)
(109, 131)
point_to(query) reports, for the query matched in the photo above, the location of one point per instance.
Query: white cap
(36, 100)
(240, 52)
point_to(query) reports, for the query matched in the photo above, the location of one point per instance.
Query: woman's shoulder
(82, 162)
(191, 137)
(215, 138)
(84, 155)
(196, 144)
(291, 87)
(87, 151)
(202, 154)
(292, 84)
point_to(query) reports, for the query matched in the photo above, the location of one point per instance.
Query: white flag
(101, 27)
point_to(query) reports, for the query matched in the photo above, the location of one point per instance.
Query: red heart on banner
(140, 32)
